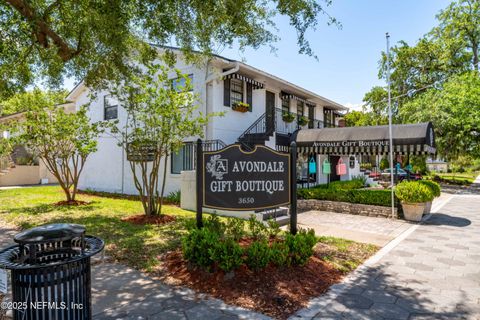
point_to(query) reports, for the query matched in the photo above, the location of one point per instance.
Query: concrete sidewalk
(430, 272)
(120, 292)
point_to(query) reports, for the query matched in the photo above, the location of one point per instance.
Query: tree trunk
(3, 311)
(164, 178)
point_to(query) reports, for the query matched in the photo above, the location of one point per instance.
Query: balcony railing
(285, 127)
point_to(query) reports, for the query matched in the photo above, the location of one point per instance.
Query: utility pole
(390, 131)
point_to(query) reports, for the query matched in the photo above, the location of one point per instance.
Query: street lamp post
(390, 131)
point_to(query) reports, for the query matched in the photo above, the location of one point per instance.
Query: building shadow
(379, 293)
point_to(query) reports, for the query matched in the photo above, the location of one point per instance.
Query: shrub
(257, 228)
(273, 228)
(235, 228)
(300, 246)
(227, 254)
(384, 163)
(196, 246)
(433, 186)
(173, 197)
(347, 185)
(413, 192)
(363, 196)
(258, 255)
(279, 253)
(214, 224)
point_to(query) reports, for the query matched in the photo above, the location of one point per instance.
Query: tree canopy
(435, 80)
(35, 98)
(455, 110)
(94, 40)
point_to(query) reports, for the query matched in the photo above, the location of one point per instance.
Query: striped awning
(255, 84)
(414, 139)
(291, 96)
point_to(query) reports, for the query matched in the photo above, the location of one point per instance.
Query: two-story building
(277, 108)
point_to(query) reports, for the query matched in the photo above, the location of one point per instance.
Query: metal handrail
(259, 126)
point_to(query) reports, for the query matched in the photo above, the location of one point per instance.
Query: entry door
(333, 162)
(270, 111)
(311, 116)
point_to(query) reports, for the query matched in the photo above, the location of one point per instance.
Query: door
(270, 111)
(311, 116)
(333, 162)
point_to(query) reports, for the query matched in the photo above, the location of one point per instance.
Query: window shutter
(226, 92)
(249, 96)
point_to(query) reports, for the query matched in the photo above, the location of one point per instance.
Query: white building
(220, 83)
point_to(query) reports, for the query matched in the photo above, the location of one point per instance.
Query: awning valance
(407, 139)
(291, 96)
(255, 84)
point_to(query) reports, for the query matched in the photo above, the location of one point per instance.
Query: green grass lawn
(136, 245)
(464, 178)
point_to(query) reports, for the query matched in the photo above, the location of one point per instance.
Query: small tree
(62, 140)
(161, 114)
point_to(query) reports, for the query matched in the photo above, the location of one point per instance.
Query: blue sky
(347, 65)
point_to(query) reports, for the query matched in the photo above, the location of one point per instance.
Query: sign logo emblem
(217, 167)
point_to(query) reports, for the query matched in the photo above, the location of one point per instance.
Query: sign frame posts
(199, 180)
(293, 188)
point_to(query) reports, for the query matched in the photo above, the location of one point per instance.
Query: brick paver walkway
(434, 273)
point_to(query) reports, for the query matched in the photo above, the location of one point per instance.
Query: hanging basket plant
(241, 107)
(302, 121)
(288, 117)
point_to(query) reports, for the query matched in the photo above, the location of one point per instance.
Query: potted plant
(413, 195)
(288, 117)
(302, 121)
(241, 107)
(435, 189)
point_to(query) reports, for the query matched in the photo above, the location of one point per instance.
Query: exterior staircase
(257, 133)
(280, 215)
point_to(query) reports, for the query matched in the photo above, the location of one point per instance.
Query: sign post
(293, 188)
(199, 180)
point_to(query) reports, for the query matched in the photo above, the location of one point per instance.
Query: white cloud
(354, 106)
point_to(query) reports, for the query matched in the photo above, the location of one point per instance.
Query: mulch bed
(72, 203)
(276, 292)
(121, 196)
(143, 219)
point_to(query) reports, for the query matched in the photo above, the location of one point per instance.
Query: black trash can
(50, 268)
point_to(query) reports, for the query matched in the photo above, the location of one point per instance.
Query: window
(300, 109)
(179, 83)
(236, 91)
(110, 108)
(285, 105)
(183, 159)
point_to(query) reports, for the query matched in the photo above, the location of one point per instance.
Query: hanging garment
(312, 166)
(341, 168)
(326, 167)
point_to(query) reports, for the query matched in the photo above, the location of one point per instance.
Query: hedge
(362, 196)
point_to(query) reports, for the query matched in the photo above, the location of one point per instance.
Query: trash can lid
(50, 232)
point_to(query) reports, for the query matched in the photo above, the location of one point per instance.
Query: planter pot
(428, 207)
(413, 211)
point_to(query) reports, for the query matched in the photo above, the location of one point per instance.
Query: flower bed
(260, 268)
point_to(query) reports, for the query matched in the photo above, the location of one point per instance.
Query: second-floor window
(110, 108)
(236, 91)
(300, 109)
(285, 105)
